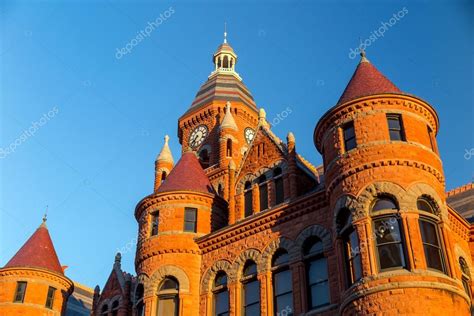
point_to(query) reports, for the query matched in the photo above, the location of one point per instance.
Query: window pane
(169, 284)
(319, 294)
(252, 310)
(317, 271)
(168, 307)
(391, 256)
(189, 227)
(252, 292)
(395, 135)
(263, 197)
(222, 303)
(429, 234)
(350, 144)
(433, 257)
(349, 131)
(248, 203)
(424, 205)
(221, 279)
(250, 268)
(190, 214)
(357, 268)
(387, 230)
(279, 191)
(394, 123)
(50, 297)
(280, 258)
(384, 204)
(20, 292)
(284, 305)
(314, 246)
(282, 282)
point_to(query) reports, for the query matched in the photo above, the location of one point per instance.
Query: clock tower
(222, 120)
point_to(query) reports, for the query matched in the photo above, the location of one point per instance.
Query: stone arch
(370, 192)
(264, 171)
(151, 287)
(314, 230)
(345, 202)
(281, 243)
(240, 185)
(421, 189)
(458, 253)
(249, 254)
(209, 276)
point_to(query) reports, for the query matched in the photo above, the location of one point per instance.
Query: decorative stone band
(145, 254)
(382, 163)
(368, 103)
(34, 273)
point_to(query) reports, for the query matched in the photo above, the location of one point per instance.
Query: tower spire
(225, 32)
(45, 217)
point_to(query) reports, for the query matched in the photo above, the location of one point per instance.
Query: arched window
(168, 300)
(316, 273)
(229, 147)
(389, 240)
(350, 240)
(250, 290)
(115, 307)
(282, 284)
(139, 304)
(430, 236)
(163, 176)
(155, 221)
(248, 199)
(204, 158)
(104, 310)
(466, 275)
(279, 190)
(263, 189)
(226, 62)
(221, 295)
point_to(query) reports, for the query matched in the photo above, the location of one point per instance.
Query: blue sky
(91, 159)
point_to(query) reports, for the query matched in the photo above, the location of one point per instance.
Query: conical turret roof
(165, 153)
(366, 80)
(187, 175)
(37, 252)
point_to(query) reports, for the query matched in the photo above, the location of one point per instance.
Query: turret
(163, 164)
(228, 137)
(385, 181)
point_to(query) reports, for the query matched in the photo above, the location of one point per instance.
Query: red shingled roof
(187, 175)
(367, 80)
(37, 252)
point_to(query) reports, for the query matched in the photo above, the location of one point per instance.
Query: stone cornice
(410, 102)
(39, 273)
(263, 221)
(382, 163)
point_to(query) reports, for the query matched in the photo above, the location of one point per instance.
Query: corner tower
(33, 281)
(386, 186)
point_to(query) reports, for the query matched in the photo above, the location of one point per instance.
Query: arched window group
(263, 182)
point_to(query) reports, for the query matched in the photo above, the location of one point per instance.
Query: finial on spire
(225, 32)
(45, 217)
(363, 59)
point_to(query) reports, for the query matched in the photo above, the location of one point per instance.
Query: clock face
(198, 135)
(249, 134)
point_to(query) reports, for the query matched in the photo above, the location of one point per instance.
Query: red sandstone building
(244, 225)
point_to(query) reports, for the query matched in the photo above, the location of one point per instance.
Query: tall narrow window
(395, 127)
(282, 284)
(279, 190)
(263, 189)
(316, 273)
(250, 290)
(432, 139)
(204, 158)
(155, 221)
(248, 198)
(168, 298)
(221, 295)
(430, 236)
(104, 310)
(466, 275)
(349, 136)
(139, 305)
(50, 297)
(20, 292)
(190, 219)
(353, 262)
(163, 176)
(229, 147)
(115, 308)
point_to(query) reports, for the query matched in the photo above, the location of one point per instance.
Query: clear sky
(95, 118)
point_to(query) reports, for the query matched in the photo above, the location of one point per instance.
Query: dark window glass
(384, 203)
(139, 306)
(424, 205)
(248, 199)
(263, 189)
(395, 127)
(282, 284)
(316, 273)
(251, 290)
(314, 246)
(155, 221)
(50, 297)
(20, 292)
(190, 219)
(169, 284)
(163, 176)
(104, 310)
(431, 245)
(221, 295)
(349, 136)
(353, 259)
(432, 139)
(168, 300)
(204, 158)
(229, 147)
(115, 307)
(466, 275)
(279, 189)
(250, 269)
(389, 243)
